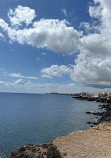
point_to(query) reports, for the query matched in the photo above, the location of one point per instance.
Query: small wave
(2, 155)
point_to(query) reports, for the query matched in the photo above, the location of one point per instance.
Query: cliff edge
(91, 143)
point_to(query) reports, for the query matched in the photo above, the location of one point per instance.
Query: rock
(48, 150)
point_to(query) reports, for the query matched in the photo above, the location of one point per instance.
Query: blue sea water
(36, 119)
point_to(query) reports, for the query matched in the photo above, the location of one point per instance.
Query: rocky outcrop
(48, 150)
(91, 143)
(103, 116)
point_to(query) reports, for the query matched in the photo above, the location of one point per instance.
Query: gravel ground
(91, 143)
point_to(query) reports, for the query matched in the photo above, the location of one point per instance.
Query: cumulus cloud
(21, 15)
(18, 75)
(19, 82)
(56, 71)
(95, 72)
(98, 43)
(92, 66)
(53, 34)
(102, 11)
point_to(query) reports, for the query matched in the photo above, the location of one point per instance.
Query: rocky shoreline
(105, 104)
(91, 143)
(95, 142)
(48, 150)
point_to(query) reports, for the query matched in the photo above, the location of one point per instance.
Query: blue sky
(54, 46)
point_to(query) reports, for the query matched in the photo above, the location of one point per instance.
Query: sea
(39, 118)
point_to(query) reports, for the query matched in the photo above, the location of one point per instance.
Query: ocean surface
(36, 119)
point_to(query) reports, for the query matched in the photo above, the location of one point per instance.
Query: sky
(55, 46)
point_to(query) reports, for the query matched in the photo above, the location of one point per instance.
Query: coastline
(94, 142)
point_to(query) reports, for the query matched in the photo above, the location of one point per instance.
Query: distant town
(99, 97)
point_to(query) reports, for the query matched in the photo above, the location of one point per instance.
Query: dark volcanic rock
(48, 150)
(96, 113)
(104, 116)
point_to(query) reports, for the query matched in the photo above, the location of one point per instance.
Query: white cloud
(92, 66)
(21, 15)
(56, 71)
(64, 11)
(13, 83)
(19, 82)
(93, 71)
(18, 75)
(29, 87)
(96, 44)
(98, 40)
(102, 12)
(3, 25)
(95, 11)
(46, 76)
(2, 36)
(53, 34)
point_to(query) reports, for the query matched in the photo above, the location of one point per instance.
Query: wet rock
(96, 113)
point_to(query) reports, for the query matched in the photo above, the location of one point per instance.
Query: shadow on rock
(104, 115)
(48, 150)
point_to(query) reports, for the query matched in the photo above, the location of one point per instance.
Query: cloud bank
(34, 87)
(21, 86)
(93, 66)
(18, 75)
